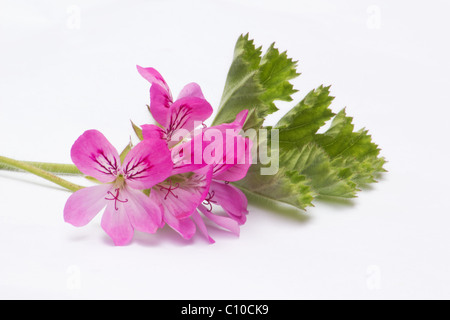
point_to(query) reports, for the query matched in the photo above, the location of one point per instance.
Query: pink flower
(206, 181)
(177, 117)
(127, 207)
(179, 197)
(221, 193)
(219, 145)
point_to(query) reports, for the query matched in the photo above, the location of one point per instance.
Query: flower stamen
(170, 189)
(209, 200)
(116, 198)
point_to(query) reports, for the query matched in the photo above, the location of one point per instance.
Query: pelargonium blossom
(221, 193)
(199, 185)
(120, 191)
(179, 197)
(176, 117)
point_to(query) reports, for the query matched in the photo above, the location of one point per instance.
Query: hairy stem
(24, 166)
(56, 168)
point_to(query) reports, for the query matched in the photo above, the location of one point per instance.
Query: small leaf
(126, 150)
(137, 131)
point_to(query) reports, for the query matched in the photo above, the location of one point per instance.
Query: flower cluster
(179, 174)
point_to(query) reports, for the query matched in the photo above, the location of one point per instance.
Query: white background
(69, 66)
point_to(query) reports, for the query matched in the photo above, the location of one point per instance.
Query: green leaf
(333, 164)
(274, 74)
(353, 151)
(300, 124)
(286, 186)
(255, 82)
(315, 164)
(254, 121)
(336, 162)
(361, 172)
(242, 89)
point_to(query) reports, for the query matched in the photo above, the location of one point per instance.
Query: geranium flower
(194, 154)
(179, 117)
(127, 207)
(179, 197)
(237, 159)
(206, 181)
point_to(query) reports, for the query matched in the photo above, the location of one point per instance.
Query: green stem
(11, 163)
(56, 168)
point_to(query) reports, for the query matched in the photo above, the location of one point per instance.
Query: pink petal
(224, 222)
(185, 226)
(188, 156)
(85, 204)
(201, 151)
(232, 200)
(236, 125)
(187, 113)
(160, 95)
(201, 226)
(94, 155)
(117, 224)
(144, 214)
(160, 103)
(191, 90)
(147, 164)
(236, 152)
(153, 76)
(233, 173)
(240, 119)
(242, 160)
(181, 198)
(234, 158)
(150, 131)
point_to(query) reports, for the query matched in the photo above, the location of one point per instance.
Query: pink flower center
(170, 189)
(116, 198)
